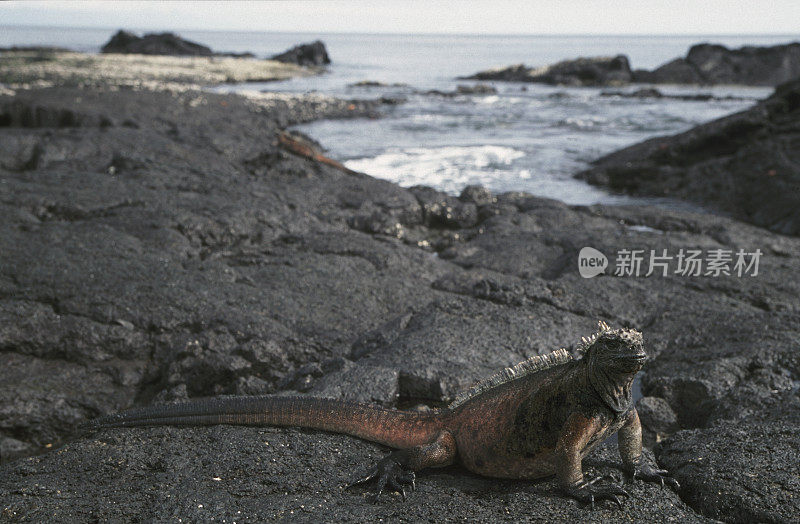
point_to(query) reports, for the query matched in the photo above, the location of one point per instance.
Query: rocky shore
(45, 68)
(743, 164)
(711, 64)
(704, 64)
(160, 245)
(594, 71)
(154, 44)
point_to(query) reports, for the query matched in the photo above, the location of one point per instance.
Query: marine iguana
(536, 419)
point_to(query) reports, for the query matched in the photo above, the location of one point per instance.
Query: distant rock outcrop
(154, 44)
(716, 64)
(743, 164)
(595, 71)
(313, 54)
(652, 92)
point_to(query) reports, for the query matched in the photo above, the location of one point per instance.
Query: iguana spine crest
(526, 367)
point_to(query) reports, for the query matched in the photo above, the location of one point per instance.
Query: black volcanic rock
(313, 54)
(596, 71)
(716, 64)
(195, 254)
(743, 470)
(743, 164)
(154, 44)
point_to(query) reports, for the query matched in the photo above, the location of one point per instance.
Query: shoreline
(161, 245)
(50, 69)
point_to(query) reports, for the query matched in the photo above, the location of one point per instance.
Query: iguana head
(614, 356)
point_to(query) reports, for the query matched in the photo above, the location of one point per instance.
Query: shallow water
(526, 137)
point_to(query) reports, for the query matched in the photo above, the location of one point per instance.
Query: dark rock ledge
(744, 164)
(154, 44)
(184, 250)
(710, 64)
(312, 54)
(704, 64)
(593, 71)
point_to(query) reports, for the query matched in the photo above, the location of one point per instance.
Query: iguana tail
(398, 429)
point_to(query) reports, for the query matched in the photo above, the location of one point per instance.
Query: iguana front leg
(396, 470)
(630, 450)
(575, 436)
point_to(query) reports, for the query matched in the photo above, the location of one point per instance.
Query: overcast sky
(464, 16)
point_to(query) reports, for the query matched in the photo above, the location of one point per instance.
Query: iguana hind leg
(396, 470)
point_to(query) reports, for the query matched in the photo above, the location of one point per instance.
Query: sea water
(526, 137)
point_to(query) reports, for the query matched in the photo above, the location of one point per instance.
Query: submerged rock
(313, 54)
(476, 89)
(651, 92)
(596, 71)
(743, 164)
(375, 83)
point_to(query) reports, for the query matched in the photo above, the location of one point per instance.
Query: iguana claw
(389, 473)
(648, 473)
(586, 493)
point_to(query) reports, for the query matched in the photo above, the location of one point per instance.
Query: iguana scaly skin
(537, 419)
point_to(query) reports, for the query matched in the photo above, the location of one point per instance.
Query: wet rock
(596, 71)
(154, 44)
(312, 54)
(476, 89)
(439, 92)
(651, 92)
(645, 92)
(716, 64)
(374, 83)
(677, 71)
(742, 164)
(392, 100)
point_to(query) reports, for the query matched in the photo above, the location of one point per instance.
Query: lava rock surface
(165, 245)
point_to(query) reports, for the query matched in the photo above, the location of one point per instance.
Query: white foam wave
(492, 99)
(449, 168)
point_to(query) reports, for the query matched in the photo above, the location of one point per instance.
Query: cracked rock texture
(180, 251)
